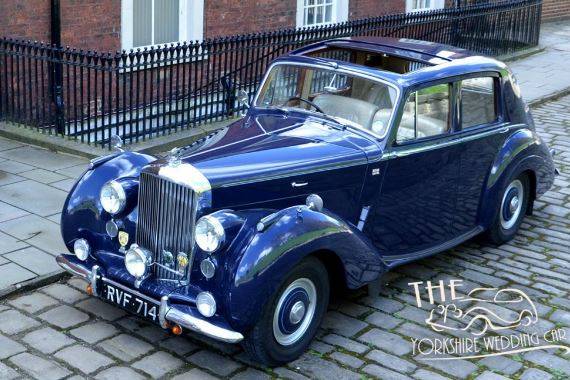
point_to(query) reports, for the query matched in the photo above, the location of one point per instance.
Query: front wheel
(292, 317)
(512, 209)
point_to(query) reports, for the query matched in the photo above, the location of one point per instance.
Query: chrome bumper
(167, 313)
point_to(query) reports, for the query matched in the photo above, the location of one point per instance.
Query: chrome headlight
(113, 197)
(210, 234)
(138, 261)
(81, 249)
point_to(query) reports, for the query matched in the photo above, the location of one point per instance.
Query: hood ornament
(174, 157)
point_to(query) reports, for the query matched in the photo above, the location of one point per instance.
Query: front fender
(82, 214)
(522, 151)
(269, 256)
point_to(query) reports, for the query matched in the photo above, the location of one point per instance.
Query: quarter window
(426, 113)
(321, 12)
(478, 104)
(155, 22)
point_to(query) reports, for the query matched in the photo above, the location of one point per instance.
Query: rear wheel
(512, 209)
(292, 317)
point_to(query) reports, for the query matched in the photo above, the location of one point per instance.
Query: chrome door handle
(299, 184)
(504, 130)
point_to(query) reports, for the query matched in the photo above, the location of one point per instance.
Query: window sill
(127, 66)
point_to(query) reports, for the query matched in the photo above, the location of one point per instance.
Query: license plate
(144, 307)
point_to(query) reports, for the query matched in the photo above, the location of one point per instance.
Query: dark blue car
(355, 156)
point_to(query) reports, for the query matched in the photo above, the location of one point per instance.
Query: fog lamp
(210, 233)
(112, 197)
(206, 304)
(137, 261)
(81, 249)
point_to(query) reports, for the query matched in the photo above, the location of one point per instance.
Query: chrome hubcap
(514, 204)
(297, 312)
(511, 205)
(294, 312)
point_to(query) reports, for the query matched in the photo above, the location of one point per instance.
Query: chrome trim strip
(204, 327)
(402, 152)
(75, 269)
(186, 175)
(362, 161)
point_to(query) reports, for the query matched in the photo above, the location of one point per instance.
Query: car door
(481, 134)
(414, 208)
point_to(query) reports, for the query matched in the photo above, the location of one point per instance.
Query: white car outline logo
(443, 317)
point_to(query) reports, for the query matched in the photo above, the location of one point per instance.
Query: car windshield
(349, 99)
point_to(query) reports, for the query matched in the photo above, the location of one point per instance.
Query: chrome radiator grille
(165, 225)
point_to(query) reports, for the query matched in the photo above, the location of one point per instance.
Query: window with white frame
(321, 12)
(155, 22)
(423, 5)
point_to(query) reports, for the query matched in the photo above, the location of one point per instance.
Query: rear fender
(270, 255)
(522, 151)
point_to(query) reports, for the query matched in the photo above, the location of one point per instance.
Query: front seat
(355, 110)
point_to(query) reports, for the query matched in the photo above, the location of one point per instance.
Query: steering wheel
(305, 101)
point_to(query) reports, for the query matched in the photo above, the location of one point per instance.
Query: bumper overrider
(169, 315)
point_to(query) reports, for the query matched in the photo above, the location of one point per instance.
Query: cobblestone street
(58, 331)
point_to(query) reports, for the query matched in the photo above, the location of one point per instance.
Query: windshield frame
(334, 67)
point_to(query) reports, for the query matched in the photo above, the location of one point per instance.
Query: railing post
(57, 67)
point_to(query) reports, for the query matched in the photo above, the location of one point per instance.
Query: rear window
(478, 105)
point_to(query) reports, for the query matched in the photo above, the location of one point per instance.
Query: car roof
(440, 60)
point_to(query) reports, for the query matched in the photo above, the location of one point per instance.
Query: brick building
(110, 25)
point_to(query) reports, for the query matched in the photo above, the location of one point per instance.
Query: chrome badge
(123, 238)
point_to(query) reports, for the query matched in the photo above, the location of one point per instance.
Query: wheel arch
(522, 152)
(271, 254)
(532, 190)
(334, 266)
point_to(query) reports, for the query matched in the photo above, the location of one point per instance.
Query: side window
(426, 113)
(478, 102)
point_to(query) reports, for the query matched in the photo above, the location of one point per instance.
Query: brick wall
(96, 24)
(25, 19)
(555, 10)
(89, 24)
(228, 17)
(370, 8)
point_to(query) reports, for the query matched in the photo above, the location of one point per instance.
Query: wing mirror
(314, 202)
(243, 98)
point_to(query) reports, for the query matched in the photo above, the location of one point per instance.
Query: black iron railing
(142, 94)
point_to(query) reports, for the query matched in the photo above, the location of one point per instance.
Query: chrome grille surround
(169, 198)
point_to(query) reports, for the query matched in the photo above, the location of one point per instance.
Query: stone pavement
(58, 331)
(33, 186)
(545, 73)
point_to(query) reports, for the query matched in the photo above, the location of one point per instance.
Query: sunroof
(378, 60)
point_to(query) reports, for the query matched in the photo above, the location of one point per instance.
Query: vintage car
(356, 155)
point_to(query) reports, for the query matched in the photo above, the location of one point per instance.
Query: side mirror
(242, 98)
(314, 202)
(117, 143)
